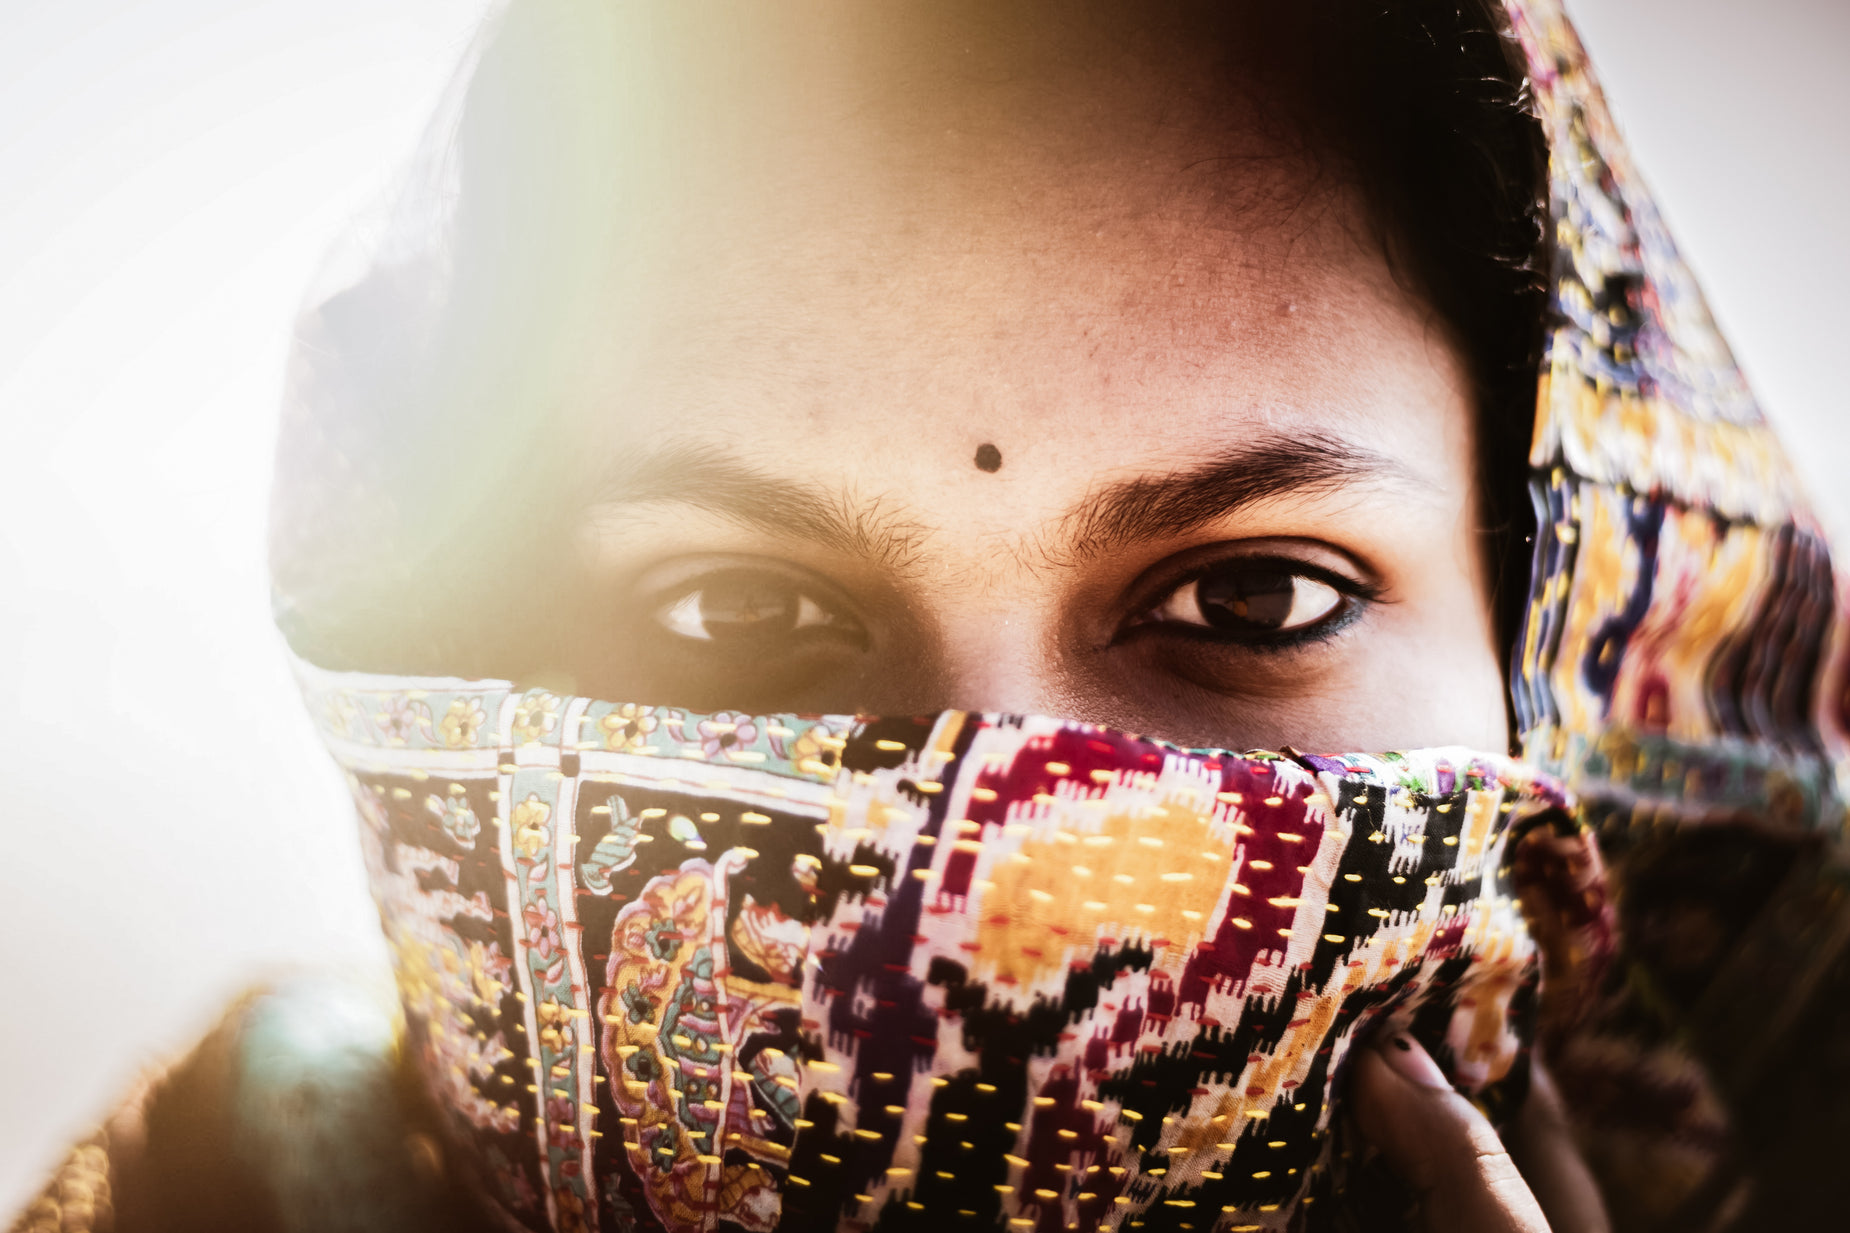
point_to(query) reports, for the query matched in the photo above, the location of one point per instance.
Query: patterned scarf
(675, 970)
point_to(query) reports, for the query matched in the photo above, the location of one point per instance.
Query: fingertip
(1370, 1076)
(1406, 1108)
(1437, 1141)
(1408, 1058)
(1383, 1101)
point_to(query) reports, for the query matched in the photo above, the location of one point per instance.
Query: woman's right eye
(747, 608)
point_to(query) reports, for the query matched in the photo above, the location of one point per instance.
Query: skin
(1178, 334)
(1465, 1178)
(944, 372)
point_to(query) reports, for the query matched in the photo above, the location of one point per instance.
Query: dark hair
(399, 381)
(1431, 102)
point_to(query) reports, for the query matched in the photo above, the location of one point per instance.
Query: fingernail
(1406, 1058)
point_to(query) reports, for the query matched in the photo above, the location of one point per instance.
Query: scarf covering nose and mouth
(676, 971)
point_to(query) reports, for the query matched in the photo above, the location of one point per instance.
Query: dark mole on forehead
(988, 458)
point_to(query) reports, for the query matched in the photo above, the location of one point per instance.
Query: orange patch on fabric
(1143, 877)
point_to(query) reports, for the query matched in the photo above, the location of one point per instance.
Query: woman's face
(1062, 398)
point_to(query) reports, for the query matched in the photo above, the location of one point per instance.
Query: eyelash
(1357, 596)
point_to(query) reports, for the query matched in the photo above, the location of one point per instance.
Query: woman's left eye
(741, 608)
(1250, 601)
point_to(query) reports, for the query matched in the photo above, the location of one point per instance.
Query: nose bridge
(1000, 658)
(997, 613)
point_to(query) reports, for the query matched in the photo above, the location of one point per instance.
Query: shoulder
(295, 1113)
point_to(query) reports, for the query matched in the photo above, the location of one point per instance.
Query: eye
(739, 608)
(1250, 600)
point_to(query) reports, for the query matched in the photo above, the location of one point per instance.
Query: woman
(1167, 369)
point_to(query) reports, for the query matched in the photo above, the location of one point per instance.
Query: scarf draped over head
(677, 971)
(1682, 669)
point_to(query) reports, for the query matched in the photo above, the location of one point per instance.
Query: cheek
(1385, 691)
(1443, 687)
(1431, 673)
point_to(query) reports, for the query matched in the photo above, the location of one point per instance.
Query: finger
(1439, 1143)
(1543, 1148)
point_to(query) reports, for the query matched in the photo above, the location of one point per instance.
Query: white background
(171, 172)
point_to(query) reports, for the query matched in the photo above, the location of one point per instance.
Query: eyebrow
(1114, 516)
(708, 478)
(1132, 511)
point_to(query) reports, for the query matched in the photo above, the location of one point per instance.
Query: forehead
(1088, 273)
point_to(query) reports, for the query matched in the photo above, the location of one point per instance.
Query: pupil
(743, 608)
(1246, 599)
